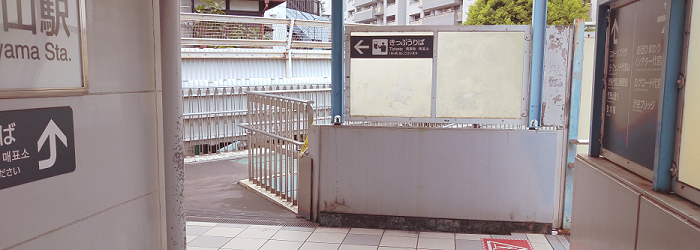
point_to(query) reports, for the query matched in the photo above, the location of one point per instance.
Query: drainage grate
(283, 223)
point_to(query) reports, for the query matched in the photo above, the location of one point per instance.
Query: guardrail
(228, 36)
(211, 115)
(252, 32)
(277, 127)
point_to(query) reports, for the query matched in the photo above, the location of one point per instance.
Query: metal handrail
(264, 93)
(579, 142)
(245, 126)
(231, 18)
(242, 111)
(211, 114)
(295, 90)
(271, 164)
(230, 42)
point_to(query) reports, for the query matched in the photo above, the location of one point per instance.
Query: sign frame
(616, 158)
(435, 29)
(57, 91)
(683, 189)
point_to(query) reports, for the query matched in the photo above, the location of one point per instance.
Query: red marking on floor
(505, 244)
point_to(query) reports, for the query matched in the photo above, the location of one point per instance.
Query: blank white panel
(391, 87)
(480, 75)
(689, 162)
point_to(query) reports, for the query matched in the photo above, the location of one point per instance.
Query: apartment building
(407, 12)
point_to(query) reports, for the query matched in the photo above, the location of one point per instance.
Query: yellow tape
(305, 147)
(306, 142)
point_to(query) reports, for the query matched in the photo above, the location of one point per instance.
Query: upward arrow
(50, 132)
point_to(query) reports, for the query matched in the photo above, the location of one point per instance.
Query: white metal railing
(228, 36)
(446, 125)
(443, 13)
(211, 115)
(246, 31)
(277, 127)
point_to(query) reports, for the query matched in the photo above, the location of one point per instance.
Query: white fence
(211, 114)
(277, 128)
(225, 56)
(270, 47)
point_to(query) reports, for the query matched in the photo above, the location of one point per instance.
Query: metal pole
(599, 75)
(539, 22)
(289, 48)
(666, 135)
(337, 33)
(575, 106)
(174, 165)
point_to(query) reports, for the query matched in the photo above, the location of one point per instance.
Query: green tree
(210, 7)
(563, 12)
(513, 12)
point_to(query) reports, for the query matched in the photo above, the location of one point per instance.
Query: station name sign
(41, 45)
(391, 47)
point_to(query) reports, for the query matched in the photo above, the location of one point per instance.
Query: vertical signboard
(635, 60)
(42, 48)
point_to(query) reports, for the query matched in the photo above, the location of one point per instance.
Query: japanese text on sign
(634, 80)
(35, 144)
(42, 36)
(6, 139)
(391, 47)
(52, 20)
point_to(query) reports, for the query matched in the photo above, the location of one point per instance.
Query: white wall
(472, 174)
(112, 200)
(584, 118)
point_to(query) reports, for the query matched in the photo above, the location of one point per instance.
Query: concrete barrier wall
(614, 208)
(113, 198)
(469, 174)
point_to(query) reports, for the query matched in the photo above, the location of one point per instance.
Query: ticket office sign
(36, 144)
(378, 47)
(42, 48)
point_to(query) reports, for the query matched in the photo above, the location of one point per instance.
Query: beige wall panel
(391, 87)
(689, 162)
(480, 74)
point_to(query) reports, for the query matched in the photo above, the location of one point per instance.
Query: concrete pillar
(401, 15)
(174, 165)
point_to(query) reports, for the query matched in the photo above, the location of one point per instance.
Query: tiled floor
(223, 236)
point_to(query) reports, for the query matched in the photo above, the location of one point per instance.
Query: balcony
(308, 6)
(391, 10)
(364, 15)
(360, 3)
(447, 18)
(378, 10)
(435, 4)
